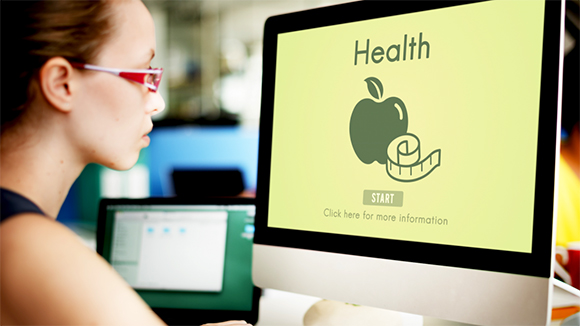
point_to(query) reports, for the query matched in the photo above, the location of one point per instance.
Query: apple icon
(373, 125)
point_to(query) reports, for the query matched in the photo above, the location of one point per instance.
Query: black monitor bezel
(537, 263)
(179, 316)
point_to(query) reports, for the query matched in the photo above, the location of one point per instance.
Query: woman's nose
(156, 104)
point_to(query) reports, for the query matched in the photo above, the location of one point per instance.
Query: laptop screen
(182, 256)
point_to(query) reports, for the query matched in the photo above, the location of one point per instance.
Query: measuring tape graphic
(403, 159)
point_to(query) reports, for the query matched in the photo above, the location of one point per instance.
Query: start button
(383, 198)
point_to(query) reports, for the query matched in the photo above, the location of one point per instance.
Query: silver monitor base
(458, 294)
(335, 313)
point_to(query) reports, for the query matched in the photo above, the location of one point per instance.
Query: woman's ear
(55, 83)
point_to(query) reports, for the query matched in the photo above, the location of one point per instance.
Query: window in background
(212, 53)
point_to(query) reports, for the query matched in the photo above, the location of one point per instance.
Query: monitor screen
(417, 132)
(411, 128)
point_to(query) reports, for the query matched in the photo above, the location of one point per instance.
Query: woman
(58, 115)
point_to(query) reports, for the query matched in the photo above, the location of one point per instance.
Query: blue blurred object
(194, 147)
(249, 228)
(171, 148)
(564, 134)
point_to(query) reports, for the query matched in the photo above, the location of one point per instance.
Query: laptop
(189, 259)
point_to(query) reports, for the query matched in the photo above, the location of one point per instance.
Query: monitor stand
(330, 313)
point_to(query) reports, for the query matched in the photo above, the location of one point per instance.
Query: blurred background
(207, 137)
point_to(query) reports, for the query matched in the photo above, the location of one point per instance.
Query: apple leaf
(374, 84)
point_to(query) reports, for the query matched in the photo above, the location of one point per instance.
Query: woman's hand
(229, 323)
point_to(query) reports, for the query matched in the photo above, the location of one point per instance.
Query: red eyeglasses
(148, 77)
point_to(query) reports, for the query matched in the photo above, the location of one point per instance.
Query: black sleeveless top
(12, 204)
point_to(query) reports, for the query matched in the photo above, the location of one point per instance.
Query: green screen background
(476, 98)
(238, 286)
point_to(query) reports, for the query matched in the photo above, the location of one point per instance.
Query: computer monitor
(407, 157)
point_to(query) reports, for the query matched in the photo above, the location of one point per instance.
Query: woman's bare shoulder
(19, 228)
(30, 240)
(50, 277)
